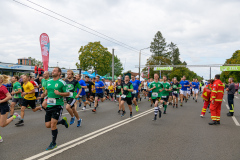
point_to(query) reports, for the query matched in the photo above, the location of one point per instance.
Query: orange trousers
(215, 111)
(204, 109)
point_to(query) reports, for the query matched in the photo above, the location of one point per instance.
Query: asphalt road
(179, 135)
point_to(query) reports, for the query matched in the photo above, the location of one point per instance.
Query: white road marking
(224, 100)
(78, 111)
(93, 134)
(234, 118)
(236, 97)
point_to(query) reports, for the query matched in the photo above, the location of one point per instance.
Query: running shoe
(123, 113)
(72, 120)
(151, 105)
(80, 104)
(17, 115)
(79, 123)
(94, 110)
(130, 115)
(164, 112)
(196, 100)
(181, 104)
(137, 108)
(140, 99)
(66, 122)
(51, 146)
(20, 123)
(155, 118)
(193, 98)
(1, 139)
(173, 105)
(90, 105)
(119, 111)
(176, 106)
(201, 116)
(84, 108)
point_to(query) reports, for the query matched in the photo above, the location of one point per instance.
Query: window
(21, 61)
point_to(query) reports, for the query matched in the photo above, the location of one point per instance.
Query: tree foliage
(95, 57)
(235, 59)
(35, 62)
(167, 54)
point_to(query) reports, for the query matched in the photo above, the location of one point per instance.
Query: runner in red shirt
(5, 96)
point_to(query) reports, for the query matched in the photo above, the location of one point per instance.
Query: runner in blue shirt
(183, 92)
(196, 85)
(136, 85)
(99, 86)
(82, 96)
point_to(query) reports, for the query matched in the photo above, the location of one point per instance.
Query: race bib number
(51, 101)
(70, 94)
(175, 92)
(86, 90)
(123, 96)
(134, 92)
(155, 94)
(164, 96)
(118, 96)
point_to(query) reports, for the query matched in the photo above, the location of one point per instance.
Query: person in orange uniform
(206, 97)
(216, 102)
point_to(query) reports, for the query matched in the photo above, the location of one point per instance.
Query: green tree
(35, 62)
(96, 57)
(235, 59)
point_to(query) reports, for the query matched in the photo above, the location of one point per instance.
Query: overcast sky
(206, 32)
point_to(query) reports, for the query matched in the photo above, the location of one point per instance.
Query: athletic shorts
(183, 92)
(144, 89)
(88, 94)
(99, 95)
(18, 100)
(157, 99)
(149, 94)
(118, 95)
(195, 91)
(175, 95)
(31, 103)
(135, 96)
(170, 93)
(188, 92)
(128, 100)
(83, 97)
(71, 101)
(54, 112)
(165, 98)
(93, 95)
(4, 108)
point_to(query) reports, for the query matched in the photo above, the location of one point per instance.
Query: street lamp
(140, 60)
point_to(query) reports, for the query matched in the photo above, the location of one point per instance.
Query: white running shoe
(201, 116)
(17, 115)
(84, 108)
(1, 139)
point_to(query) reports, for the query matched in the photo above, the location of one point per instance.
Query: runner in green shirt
(156, 87)
(55, 90)
(44, 86)
(165, 93)
(72, 86)
(126, 96)
(17, 98)
(175, 88)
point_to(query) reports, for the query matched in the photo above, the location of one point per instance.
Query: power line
(126, 46)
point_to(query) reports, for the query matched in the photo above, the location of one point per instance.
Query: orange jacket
(206, 95)
(217, 91)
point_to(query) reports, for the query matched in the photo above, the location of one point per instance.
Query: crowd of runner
(78, 92)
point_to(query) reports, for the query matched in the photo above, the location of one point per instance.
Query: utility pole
(140, 62)
(113, 65)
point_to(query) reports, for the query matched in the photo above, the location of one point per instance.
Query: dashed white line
(224, 100)
(234, 118)
(236, 97)
(89, 136)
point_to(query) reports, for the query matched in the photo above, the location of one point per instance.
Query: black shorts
(157, 99)
(175, 95)
(165, 99)
(71, 101)
(170, 93)
(4, 108)
(93, 95)
(149, 94)
(31, 103)
(99, 95)
(135, 96)
(128, 100)
(145, 90)
(54, 112)
(18, 100)
(88, 94)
